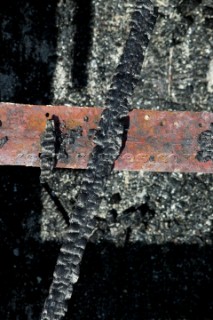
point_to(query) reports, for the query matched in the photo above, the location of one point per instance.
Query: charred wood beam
(109, 142)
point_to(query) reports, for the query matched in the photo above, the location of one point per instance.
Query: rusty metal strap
(161, 141)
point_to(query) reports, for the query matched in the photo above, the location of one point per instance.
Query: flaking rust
(161, 141)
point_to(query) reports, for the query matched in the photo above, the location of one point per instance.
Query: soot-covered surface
(151, 257)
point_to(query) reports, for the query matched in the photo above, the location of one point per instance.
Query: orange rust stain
(73, 123)
(36, 123)
(161, 141)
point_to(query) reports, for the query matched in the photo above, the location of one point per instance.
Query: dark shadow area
(28, 40)
(83, 21)
(144, 282)
(26, 262)
(136, 282)
(28, 51)
(126, 124)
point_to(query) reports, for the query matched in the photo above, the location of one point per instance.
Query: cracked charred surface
(165, 269)
(109, 141)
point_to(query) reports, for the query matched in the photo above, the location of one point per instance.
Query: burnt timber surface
(155, 228)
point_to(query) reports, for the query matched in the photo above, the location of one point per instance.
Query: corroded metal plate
(161, 141)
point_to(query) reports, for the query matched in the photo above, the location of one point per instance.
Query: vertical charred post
(48, 152)
(108, 139)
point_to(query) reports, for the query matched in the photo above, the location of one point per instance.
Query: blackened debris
(205, 141)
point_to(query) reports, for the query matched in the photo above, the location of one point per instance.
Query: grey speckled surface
(151, 256)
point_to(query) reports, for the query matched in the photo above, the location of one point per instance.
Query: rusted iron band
(161, 141)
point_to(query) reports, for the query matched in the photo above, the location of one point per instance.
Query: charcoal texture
(151, 254)
(108, 140)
